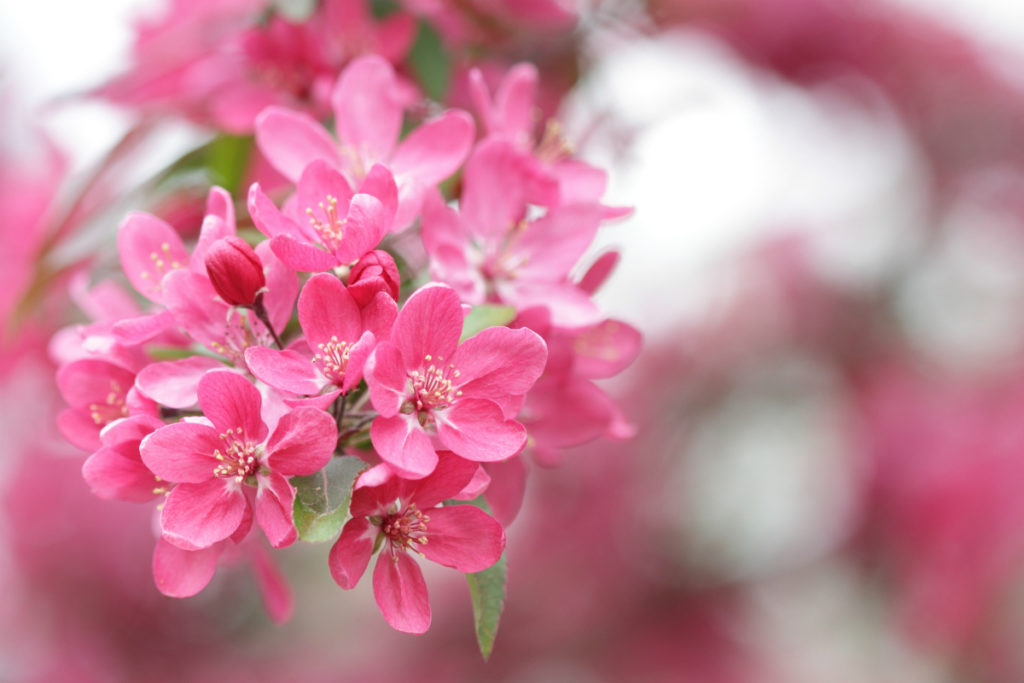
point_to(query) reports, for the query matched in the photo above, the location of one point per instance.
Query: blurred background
(827, 263)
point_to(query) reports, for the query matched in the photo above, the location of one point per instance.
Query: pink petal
(143, 328)
(282, 287)
(499, 362)
(514, 103)
(321, 181)
(367, 112)
(302, 442)
(291, 140)
(302, 256)
(268, 218)
(450, 476)
(494, 189)
(606, 349)
(598, 272)
(181, 452)
(149, 249)
(435, 149)
(79, 429)
(183, 573)
(198, 515)
(113, 476)
(430, 323)
(174, 383)
(379, 315)
(463, 537)
(90, 380)
(477, 430)
(274, 501)
(230, 402)
(507, 489)
(570, 306)
(327, 310)
(551, 245)
(380, 183)
(366, 224)
(401, 592)
(277, 595)
(351, 553)
(401, 442)
(387, 379)
(286, 370)
(213, 229)
(357, 358)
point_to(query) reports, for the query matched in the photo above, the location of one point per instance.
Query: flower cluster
(367, 364)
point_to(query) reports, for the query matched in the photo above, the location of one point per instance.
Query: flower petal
(181, 452)
(463, 537)
(175, 383)
(274, 501)
(499, 362)
(302, 442)
(149, 249)
(367, 112)
(183, 573)
(290, 140)
(387, 379)
(351, 553)
(231, 402)
(435, 149)
(401, 592)
(327, 310)
(430, 323)
(198, 515)
(401, 442)
(477, 430)
(286, 370)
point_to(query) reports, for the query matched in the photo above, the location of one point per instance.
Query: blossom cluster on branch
(365, 353)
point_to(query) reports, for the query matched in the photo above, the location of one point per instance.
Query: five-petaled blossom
(469, 394)
(401, 515)
(217, 464)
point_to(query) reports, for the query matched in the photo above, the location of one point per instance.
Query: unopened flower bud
(375, 272)
(235, 271)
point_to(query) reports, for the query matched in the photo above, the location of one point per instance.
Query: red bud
(375, 272)
(235, 271)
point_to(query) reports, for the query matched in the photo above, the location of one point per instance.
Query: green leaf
(295, 10)
(487, 588)
(430, 62)
(484, 316)
(226, 161)
(322, 499)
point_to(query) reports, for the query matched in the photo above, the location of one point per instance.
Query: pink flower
(368, 103)
(490, 251)
(221, 62)
(424, 379)
(554, 177)
(98, 392)
(326, 224)
(116, 470)
(214, 464)
(404, 515)
(340, 338)
(235, 271)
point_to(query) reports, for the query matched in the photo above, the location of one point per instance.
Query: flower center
(329, 226)
(160, 262)
(434, 387)
(112, 408)
(332, 359)
(236, 458)
(405, 528)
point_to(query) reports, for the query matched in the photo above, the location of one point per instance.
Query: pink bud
(235, 271)
(375, 272)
